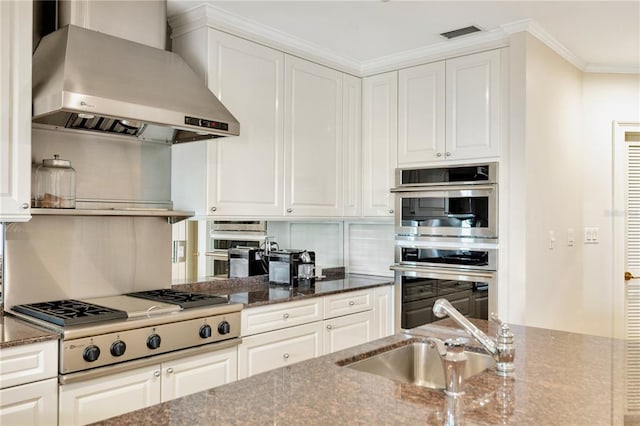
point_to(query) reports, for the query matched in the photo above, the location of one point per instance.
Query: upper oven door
(452, 211)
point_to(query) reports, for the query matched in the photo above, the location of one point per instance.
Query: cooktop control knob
(224, 327)
(91, 353)
(118, 347)
(205, 331)
(153, 341)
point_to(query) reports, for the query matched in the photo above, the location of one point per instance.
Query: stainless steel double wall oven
(446, 228)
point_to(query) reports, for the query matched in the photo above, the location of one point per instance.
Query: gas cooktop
(184, 299)
(70, 312)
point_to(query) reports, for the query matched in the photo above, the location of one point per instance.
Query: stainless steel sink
(419, 364)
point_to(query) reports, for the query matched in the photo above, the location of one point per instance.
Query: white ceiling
(599, 34)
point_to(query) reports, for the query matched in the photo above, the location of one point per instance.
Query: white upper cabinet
(15, 110)
(236, 175)
(474, 94)
(379, 142)
(450, 110)
(313, 139)
(352, 141)
(421, 112)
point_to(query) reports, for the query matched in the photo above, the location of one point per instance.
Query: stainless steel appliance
(88, 80)
(247, 262)
(455, 201)
(292, 267)
(224, 235)
(106, 335)
(446, 240)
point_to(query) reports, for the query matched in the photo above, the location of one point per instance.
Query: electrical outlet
(552, 239)
(591, 235)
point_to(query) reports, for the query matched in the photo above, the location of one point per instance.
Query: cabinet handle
(25, 206)
(351, 303)
(448, 154)
(391, 211)
(329, 327)
(438, 154)
(289, 210)
(285, 316)
(156, 373)
(213, 209)
(285, 356)
(169, 370)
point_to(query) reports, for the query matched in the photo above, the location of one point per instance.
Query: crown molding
(206, 15)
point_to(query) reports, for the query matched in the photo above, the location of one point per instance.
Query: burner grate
(69, 312)
(184, 299)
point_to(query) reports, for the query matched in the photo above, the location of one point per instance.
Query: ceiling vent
(460, 32)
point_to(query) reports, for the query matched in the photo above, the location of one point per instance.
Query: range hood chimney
(87, 80)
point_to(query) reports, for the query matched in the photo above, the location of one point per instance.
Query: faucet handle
(504, 332)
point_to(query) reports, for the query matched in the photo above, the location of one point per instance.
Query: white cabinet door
(246, 171)
(379, 142)
(30, 404)
(15, 110)
(383, 311)
(347, 331)
(474, 101)
(28, 363)
(267, 351)
(101, 398)
(198, 373)
(351, 138)
(313, 139)
(421, 114)
(237, 175)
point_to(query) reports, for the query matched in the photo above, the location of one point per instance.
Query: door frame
(618, 213)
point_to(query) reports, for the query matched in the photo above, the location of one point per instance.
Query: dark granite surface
(561, 379)
(256, 291)
(15, 332)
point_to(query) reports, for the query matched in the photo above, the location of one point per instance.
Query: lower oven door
(420, 253)
(470, 292)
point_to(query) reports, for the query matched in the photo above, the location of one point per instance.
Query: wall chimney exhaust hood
(87, 80)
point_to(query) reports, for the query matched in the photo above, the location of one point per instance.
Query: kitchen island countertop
(561, 378)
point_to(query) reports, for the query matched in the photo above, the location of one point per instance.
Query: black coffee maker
(292, 267)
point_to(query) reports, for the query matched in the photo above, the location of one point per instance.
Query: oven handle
(454, 274)
(486, 189)
(218, 254)
(65, 379)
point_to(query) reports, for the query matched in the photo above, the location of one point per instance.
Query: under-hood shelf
(173, 216)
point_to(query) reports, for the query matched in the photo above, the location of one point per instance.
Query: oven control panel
(111, 348)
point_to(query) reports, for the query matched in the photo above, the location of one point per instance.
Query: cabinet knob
(351, 303)
(213, 209)
(156, 373)
(285, 316)
(329, 327)
(169, 370)
(25, 206)
(448, 154)
(390, 211)
(438, 154)
(289, 210)
(285, 356)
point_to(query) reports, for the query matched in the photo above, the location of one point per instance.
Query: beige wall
(560, 169)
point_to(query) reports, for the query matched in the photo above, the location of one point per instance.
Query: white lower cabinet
(31, 404)
(98, 399)
(266, 351)
(347, 331)
(383, 311)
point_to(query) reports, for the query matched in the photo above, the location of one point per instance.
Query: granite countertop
(561, 378)
(15, 332)
(256, 291)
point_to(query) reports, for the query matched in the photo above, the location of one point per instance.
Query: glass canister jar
(55, 184)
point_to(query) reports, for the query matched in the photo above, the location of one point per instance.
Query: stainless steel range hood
(86, 80)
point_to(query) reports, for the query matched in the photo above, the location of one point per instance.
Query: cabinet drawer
(268, 351)
(282, 315)
(347, 303)
(28, 363)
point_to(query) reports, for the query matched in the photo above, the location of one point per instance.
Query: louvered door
(632, 266)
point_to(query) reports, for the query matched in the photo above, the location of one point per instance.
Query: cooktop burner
(182, 298)
(69, 312)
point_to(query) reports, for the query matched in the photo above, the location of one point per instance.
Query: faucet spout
(503, 351)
